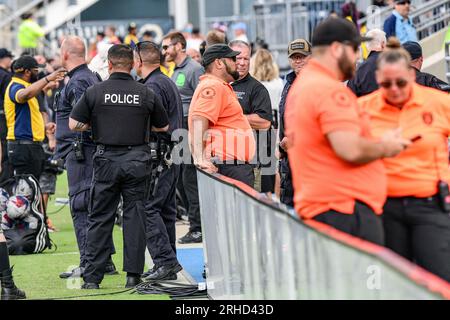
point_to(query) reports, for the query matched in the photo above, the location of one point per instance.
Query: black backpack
(27, 241)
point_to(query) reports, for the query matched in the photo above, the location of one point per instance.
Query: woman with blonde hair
(264, 69)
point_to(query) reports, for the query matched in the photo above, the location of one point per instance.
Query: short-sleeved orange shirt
(417, 170)
(318, 104)
(230, 136)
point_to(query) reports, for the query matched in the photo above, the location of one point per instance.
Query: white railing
(256, 249)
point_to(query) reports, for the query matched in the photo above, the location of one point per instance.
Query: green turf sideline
(38, 274)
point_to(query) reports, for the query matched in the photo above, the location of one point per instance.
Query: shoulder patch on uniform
(208, 93)
(342, 99)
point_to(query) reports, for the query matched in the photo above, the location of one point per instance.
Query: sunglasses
(404, 2)
(167, 47)
(143, 44)
(400, 83)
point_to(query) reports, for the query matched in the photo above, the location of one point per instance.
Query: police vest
(121, 114)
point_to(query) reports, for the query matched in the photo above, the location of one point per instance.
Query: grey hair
(378, 38)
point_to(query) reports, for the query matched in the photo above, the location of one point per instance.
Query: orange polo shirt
(230, 136)
(415, 171)
(318, 104)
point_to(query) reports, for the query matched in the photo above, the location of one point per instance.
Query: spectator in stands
(240, 32)
(195, 39)
(110, 36)
(299, 51)
(337, 175)
(29, 34)
(131, 38)
(399, 24)
(264, 69)
(93, 48)
(5, 77)
(350, 12)
(148, 36)
(416, 214)
(215, 37)
(364, 81)
(194, 54)
(425, 79)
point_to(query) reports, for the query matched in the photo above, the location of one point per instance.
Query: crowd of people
(116, 112)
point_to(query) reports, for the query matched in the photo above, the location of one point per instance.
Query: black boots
(9, 290)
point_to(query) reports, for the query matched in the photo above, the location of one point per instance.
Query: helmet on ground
(18, 207)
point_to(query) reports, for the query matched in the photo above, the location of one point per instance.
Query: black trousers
(419, 230)
(240, 172)
(161, 211)
(286, 187)
(79, 178)
(362, 223)
(26, 158)
(7, 170)
(191, 191)
(117, 173)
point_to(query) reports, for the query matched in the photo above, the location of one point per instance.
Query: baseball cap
(132, 25)
(5, 53)
(299, 46)
(239, 25)
(336, 29)
(414, 49)
(218, 51)
(26, 63)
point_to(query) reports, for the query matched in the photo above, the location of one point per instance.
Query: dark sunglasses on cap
(400, 83)
(403, 2)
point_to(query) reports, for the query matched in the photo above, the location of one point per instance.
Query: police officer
(425, 79)
(120, 112)
(77, 148)
(162, 208)
(5, 77)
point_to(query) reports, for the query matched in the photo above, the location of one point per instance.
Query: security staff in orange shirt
(416, 214)
(337, 177)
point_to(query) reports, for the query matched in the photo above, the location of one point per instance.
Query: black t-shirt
(5, 79)
(120, 111)
(255, 99)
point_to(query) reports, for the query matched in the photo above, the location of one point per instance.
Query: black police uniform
(120, 112)
(286, 187)
(162, 208)
(429, 80)
(254, 98)
(7, 171)
(364, 81)
(79, 170)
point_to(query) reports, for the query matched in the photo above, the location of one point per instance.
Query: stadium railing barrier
(255, 248)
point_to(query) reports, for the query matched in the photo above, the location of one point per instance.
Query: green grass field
(38, 274)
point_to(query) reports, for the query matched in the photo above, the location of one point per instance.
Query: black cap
(5, 53)
(336, 29)
(414, 49)
(26, 63)
(218, 51)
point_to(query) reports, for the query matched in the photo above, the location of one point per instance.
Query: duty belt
(24, 142)
(102, 148)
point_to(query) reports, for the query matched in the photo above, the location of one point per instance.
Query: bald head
(73, 52)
